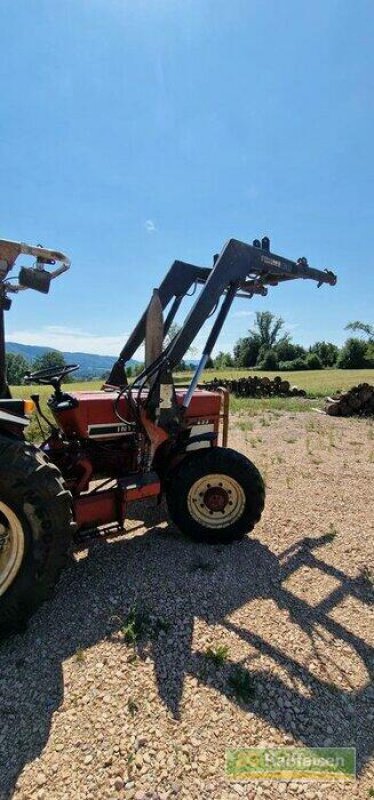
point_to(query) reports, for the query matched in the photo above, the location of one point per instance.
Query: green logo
(291, 763)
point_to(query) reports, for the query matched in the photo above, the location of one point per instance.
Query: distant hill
(91, 365)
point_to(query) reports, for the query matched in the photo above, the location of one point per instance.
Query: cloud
(71, 340)
(150, 226)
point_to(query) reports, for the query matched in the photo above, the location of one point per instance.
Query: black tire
(236, 509)
(34, 498)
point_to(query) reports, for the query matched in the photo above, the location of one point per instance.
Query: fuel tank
(94, 417)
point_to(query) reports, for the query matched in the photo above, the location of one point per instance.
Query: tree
(223, 360)
(268, 360)
(353, 355)
(138, 368)
(264, 336)
(295, 365)
(326, 352)
(287, 351)
(362, 327)
(246, 351)
(268, 327)
(16, 368)
(48, 360)
(313, 361)
(181, 367)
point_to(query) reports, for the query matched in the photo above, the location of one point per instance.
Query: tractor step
(140, 485)
(107, 506)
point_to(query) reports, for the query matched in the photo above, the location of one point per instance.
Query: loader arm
(181, 278)
(241, 270)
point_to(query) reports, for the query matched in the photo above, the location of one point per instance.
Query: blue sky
(134, 132)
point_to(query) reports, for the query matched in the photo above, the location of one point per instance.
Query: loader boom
(241, 270)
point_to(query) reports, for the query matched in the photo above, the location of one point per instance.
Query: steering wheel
(53, 375)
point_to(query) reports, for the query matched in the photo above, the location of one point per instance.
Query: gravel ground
(86, 714)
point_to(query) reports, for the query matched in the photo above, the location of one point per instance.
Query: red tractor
(125, 442)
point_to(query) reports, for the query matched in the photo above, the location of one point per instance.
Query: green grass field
(318, 384)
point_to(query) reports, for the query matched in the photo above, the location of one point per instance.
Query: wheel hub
(216, 501)
(216, 498)
(12, 546)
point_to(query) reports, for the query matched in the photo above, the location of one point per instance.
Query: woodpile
(255, 386)
(358, 401)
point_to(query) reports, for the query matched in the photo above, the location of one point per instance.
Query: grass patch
(136, 626)
(218, 655)
(241, 683)
(80, 655)
(139, 624)
(367, 576)
(132, 707)
(317, 384)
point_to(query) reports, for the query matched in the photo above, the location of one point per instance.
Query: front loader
(127, 442)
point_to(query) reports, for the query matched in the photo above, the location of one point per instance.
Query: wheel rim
(216, 501)
(12, 546)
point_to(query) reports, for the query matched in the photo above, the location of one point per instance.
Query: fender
(13, 417)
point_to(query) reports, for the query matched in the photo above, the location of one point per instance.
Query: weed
(367, 576)
(245, 426)
(137, 624)
(288, 482)
(132, 707)
(218, 655)
(333, 531)
(290, 440)
(240, 681)
(80, 655)
(161, 625)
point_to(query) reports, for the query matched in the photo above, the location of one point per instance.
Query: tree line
(268, 346)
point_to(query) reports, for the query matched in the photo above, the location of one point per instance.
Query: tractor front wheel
(36, 526)
(216, 495)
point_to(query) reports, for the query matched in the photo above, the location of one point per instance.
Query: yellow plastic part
(29, 406)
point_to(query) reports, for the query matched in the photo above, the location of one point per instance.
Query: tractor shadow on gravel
(178, 583)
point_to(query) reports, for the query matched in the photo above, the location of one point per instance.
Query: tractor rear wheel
(216, 495)
(36, 527)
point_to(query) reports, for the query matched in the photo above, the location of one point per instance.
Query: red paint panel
(97, 408)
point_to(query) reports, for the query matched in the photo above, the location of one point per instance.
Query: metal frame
(241, 270)
(9, 252)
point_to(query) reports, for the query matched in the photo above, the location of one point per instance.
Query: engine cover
(94, 417)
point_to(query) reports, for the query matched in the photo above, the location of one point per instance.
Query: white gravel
(84, 714)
